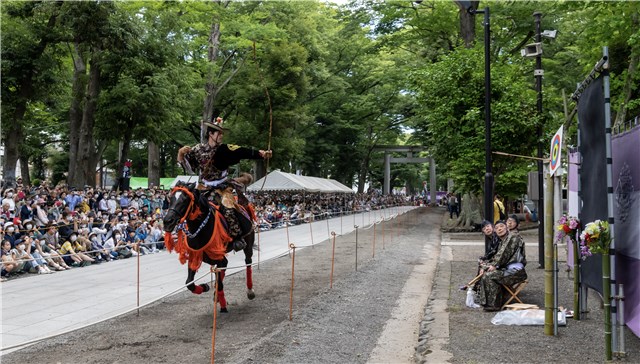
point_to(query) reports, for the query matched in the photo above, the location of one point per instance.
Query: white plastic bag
(470, 302)
(525, 317)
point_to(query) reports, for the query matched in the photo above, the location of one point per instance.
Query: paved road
(40, 306)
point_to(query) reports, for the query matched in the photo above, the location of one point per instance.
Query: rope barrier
(291, 247)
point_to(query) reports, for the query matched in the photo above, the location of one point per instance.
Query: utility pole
(538, 73)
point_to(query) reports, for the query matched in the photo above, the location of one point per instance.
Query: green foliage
(340, 80)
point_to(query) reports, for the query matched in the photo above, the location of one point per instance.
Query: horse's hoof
(250, 294)
(223, 310)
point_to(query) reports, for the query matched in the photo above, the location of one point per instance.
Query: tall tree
(27, 30)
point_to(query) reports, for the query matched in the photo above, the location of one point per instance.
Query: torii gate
(388, 149)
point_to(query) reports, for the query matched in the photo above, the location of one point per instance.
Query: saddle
(225, 192)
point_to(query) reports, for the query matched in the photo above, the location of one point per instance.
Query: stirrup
(238, 244)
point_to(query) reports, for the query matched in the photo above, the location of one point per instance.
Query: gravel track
(337, 325)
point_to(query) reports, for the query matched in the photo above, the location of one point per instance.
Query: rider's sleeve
(230, 154)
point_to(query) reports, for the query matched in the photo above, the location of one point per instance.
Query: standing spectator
(8, 199)
(103, 208)
(73, 199)
(113, 206)
(26, 212)
(498, 209)
(124, 201)
(39, 213)
(454, 205)
(6, 213)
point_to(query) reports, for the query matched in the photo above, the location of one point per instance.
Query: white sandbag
(470, 302)
(525, 317)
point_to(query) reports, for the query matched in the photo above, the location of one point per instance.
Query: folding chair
(514, 291)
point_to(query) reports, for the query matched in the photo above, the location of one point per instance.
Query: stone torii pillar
(409, 159)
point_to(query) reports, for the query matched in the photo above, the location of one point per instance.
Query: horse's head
(183, 199)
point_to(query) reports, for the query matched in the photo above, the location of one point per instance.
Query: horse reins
(188, 214)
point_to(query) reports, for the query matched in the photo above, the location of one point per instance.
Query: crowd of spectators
(46, 229)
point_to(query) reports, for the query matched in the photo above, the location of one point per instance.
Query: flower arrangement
(567, 226)
(595, 239)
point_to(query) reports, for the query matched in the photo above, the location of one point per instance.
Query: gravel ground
(338, 325)
(473, 339)
(343, 324)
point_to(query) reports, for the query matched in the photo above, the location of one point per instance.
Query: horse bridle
(182, 223)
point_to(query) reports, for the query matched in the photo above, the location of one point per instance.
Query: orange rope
(333, 254)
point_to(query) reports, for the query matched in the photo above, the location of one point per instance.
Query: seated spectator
(21, 254)
(10, 233)
(505, 267)
(489, 233)
(40, 248)
(99, 253)
(156, 236)
(512, 224)
(10, 263)
(121, 247)
(73, 257)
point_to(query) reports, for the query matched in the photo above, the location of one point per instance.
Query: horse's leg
(248, 253)
(223, 302)
(196, 289)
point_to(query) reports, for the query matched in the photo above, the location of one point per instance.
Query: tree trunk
(75, 111)
(469, 213)
(153, 164)
(12, 153)
(468, 24)
(24, 170)
(86, 161)
(362, 176)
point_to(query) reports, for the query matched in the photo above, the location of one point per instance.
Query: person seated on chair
(512, 224)
(213, 159)
(505, 267)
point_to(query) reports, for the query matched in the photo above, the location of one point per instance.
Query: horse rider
(213, 159)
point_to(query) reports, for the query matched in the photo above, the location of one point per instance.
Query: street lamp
(488, 176)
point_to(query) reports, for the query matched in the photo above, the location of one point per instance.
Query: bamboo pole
(548, 255)
(606, 297)
(138, 280)
(576, 279)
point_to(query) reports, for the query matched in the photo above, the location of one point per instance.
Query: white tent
(281, 181)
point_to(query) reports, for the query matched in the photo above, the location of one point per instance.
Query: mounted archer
(213, 159)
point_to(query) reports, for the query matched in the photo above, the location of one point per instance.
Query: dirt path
(338, 325)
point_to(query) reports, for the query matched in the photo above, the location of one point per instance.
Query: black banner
(593, 172)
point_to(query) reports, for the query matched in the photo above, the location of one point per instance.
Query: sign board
(556, 152)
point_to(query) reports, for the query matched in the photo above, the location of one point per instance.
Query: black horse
(202, 237)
